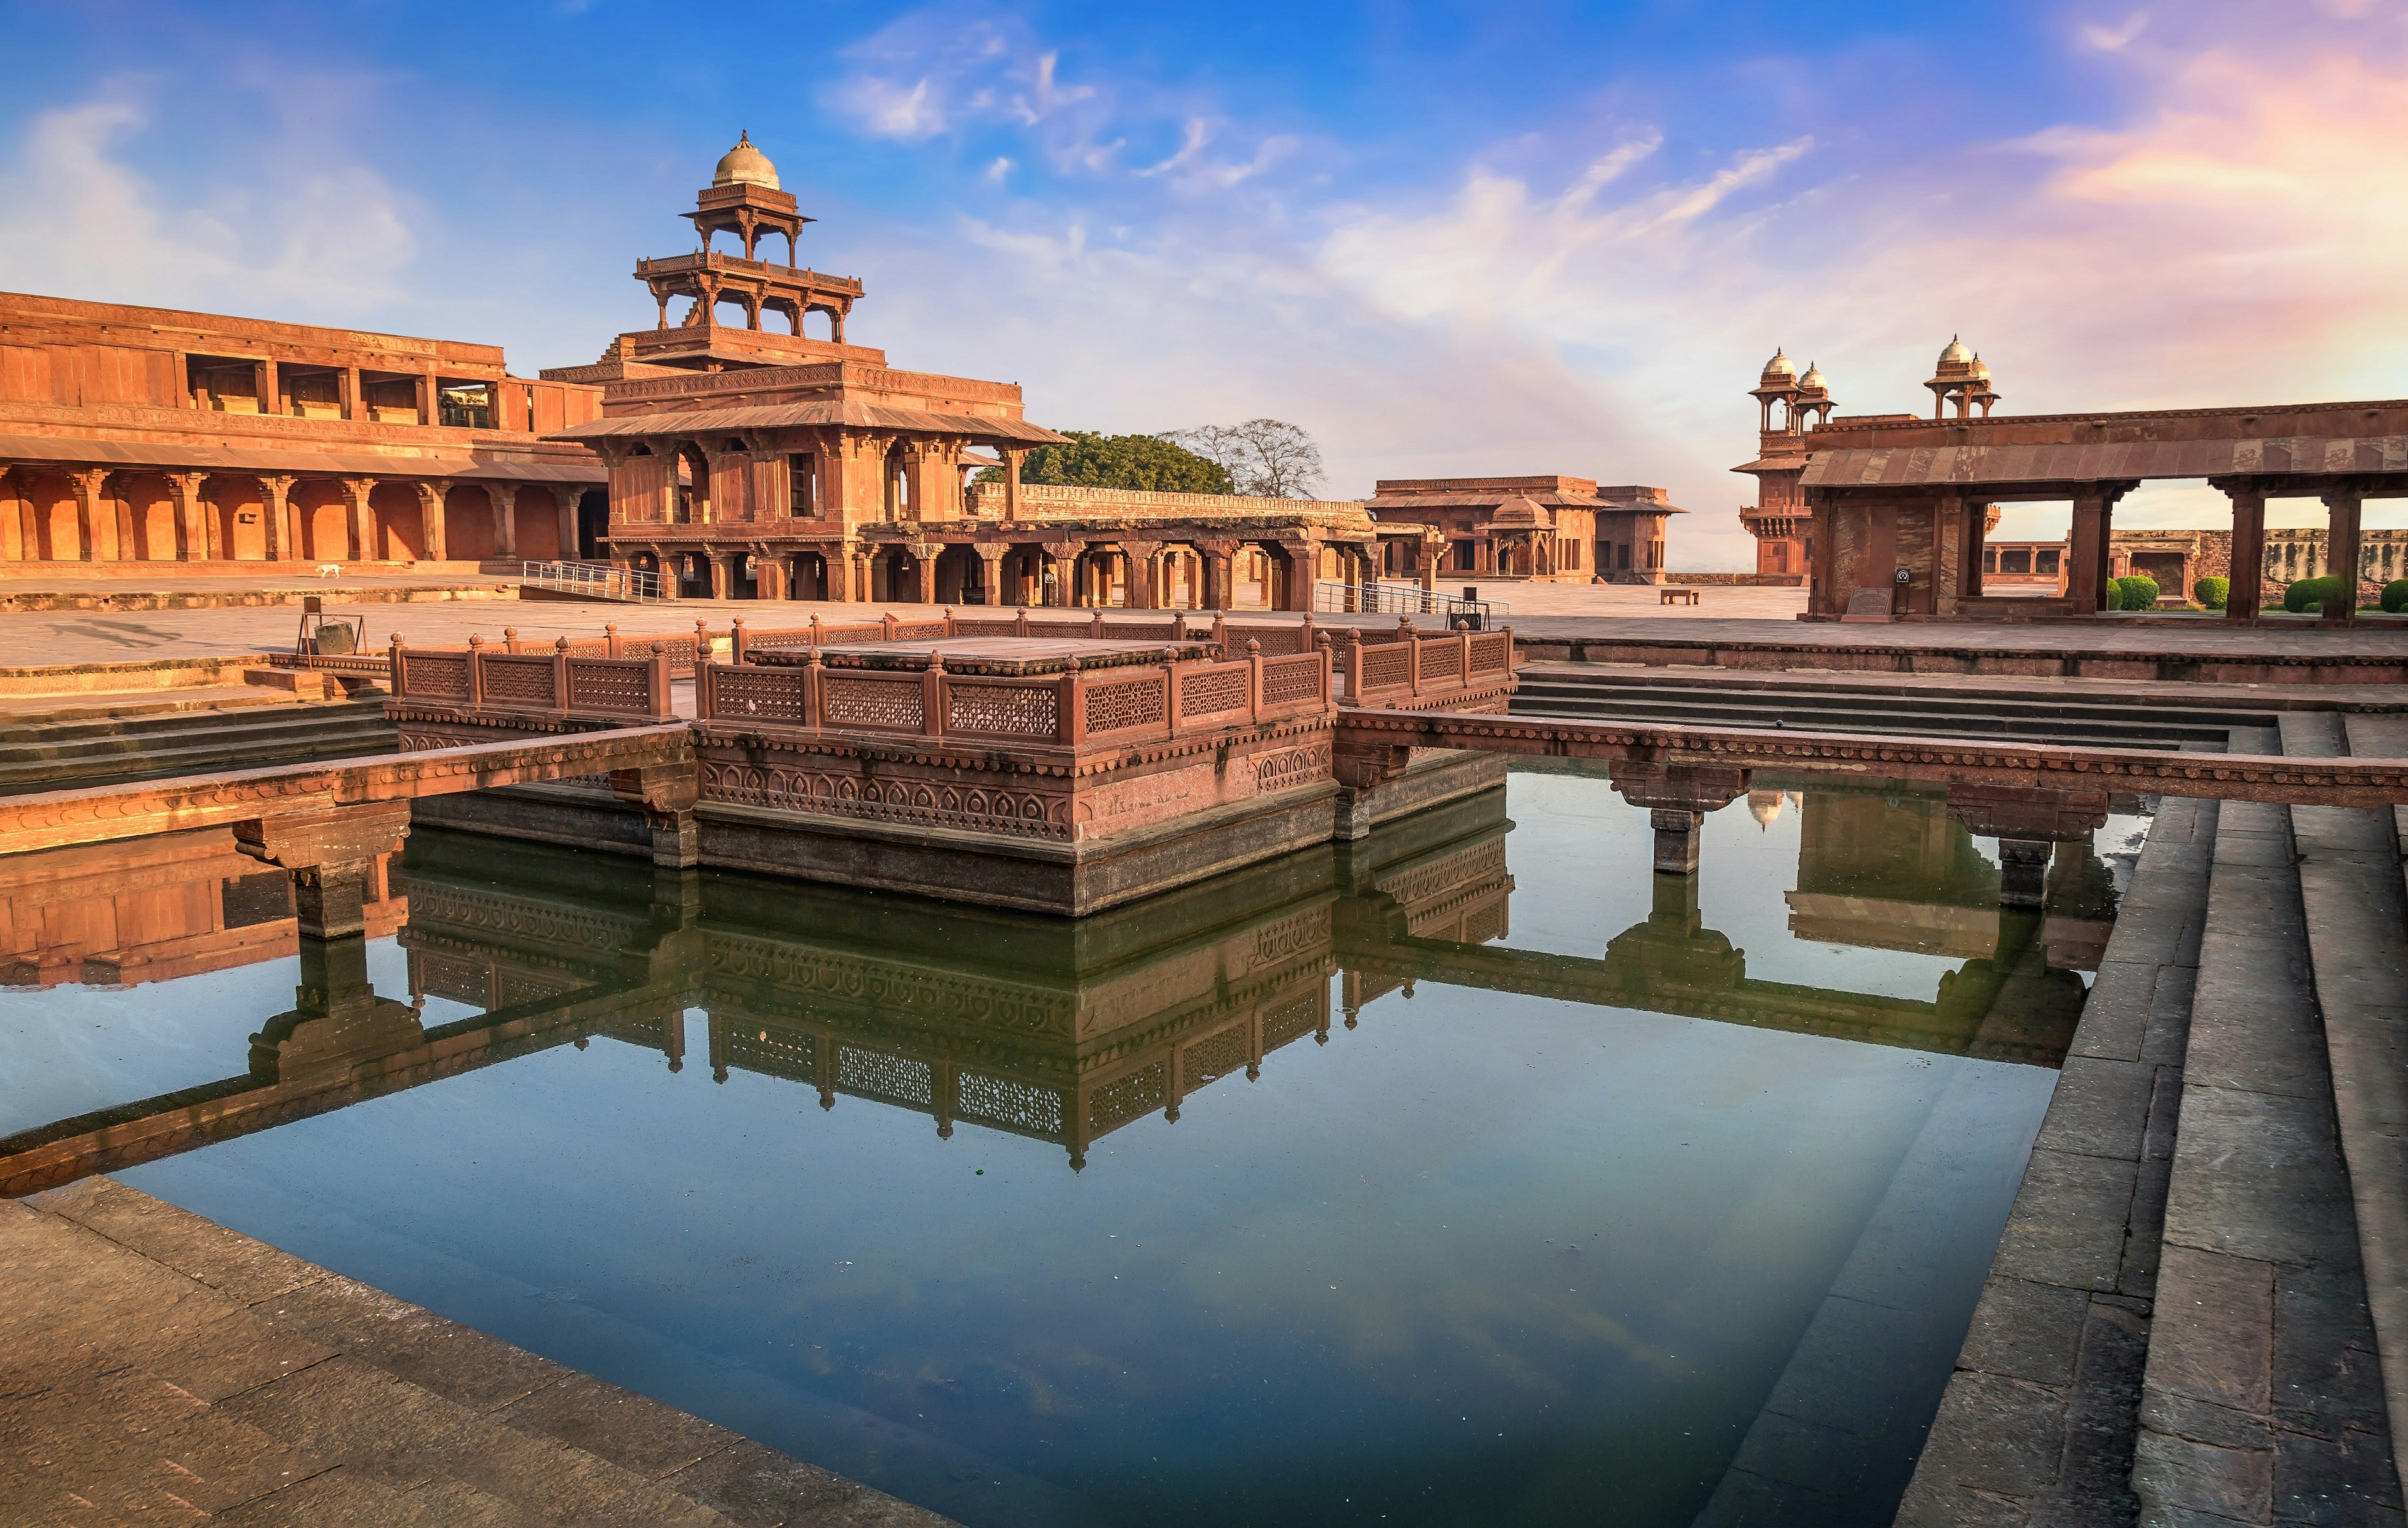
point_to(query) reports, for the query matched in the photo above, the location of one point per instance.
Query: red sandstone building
(146, 435)
(725, 447)
(1548, 530)
(1887, 515)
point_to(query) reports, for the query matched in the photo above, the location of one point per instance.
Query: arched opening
(237, 506)
(593, 524)
(894, 575)
(468, 529)
(745, 313)
(898, 486)
(808, 577)
(693, 575)
(961, 577)
(400, 531)
(693, 487)
(325, 518)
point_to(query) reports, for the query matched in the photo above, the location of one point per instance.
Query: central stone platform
(1062, 772)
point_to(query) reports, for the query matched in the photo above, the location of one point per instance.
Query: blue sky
(1477, 239)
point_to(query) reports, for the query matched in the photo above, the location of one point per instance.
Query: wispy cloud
(306, 237)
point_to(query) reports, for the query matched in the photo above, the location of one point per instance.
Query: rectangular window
(1622, 555)
(2049, 560)
(802, 486)
(2015, 560)
(1989, 559)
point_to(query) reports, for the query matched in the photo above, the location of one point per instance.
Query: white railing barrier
(1406, 599)
(595, 580)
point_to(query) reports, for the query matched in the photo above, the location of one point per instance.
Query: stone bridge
(2028, 795)
(325, 823)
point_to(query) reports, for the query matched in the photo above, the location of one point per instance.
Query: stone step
(2261, 1401)
(162, 1359)
(289, 735)
(2037, 1422)
(276, 709)
(2230, 705)
(2208, 723)
(1892, 720)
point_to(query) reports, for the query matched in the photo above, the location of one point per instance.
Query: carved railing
(1405, 665)
(556, 681)
(1125, 703)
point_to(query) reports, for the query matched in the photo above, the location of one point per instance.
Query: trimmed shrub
(2136, 592)
(2313, 594)
(2395, 595)
(2211, 594)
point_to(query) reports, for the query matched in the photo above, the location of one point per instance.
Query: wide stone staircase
(67, 743)
(2198, 1312)
(157, 1367)
(2024, 712)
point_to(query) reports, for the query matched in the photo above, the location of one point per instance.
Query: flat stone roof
(993, 654)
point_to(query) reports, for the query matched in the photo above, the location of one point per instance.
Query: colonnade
(1138, 573)
(105, 515)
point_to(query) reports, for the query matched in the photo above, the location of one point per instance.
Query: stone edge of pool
(151, 1359)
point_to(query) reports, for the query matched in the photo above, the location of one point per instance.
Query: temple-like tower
(744, 199)
(1789, 405)
(1962, 377)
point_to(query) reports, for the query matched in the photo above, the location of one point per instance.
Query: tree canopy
(1266, 457)
(1149, 462)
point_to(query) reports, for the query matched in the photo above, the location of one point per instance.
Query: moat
(1466, 1173)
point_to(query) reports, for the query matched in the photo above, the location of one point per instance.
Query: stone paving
(156, 1367)
(30, 638)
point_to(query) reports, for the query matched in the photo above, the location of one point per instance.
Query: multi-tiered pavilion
(743, 461)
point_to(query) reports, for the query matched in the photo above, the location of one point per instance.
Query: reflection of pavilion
(1059, 1029)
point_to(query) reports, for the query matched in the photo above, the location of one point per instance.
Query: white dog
(330, 570)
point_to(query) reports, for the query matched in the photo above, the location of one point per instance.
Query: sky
(1445, 239)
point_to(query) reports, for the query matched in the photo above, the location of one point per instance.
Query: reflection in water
(1068, 1033)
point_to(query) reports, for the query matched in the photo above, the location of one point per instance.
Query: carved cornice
(2233, 777)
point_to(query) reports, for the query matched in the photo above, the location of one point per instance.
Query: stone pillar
(2094, 516)
(2248, 569)
(263, 375)
(1219, 557)
(1142, 574)
(96, 518)
(191, 525)
(1010, 481)
(430, 519)
(356, 491)
(2023, 872)
(274, 494)
(990, 556)
(722, 575)
(666, 793)
(565, 498)
(923, 570)
(768, 574)
(429, 400)
(1678, 832)
(2027, 823)
(331, 855)
(1064, 555)
(1677, 798)
(2341, 542)
(503, 497)
(350, 398)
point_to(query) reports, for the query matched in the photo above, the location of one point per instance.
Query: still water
(1469, 1175)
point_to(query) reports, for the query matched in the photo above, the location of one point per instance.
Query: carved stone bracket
(327, 853)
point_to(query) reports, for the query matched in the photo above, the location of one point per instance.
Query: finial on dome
(745, 165)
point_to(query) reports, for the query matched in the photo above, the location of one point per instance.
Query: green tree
(1092, 460)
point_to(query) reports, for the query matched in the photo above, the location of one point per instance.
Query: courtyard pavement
(1724, 616)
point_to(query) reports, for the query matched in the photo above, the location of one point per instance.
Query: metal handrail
(595, 581)
(1404, 599)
